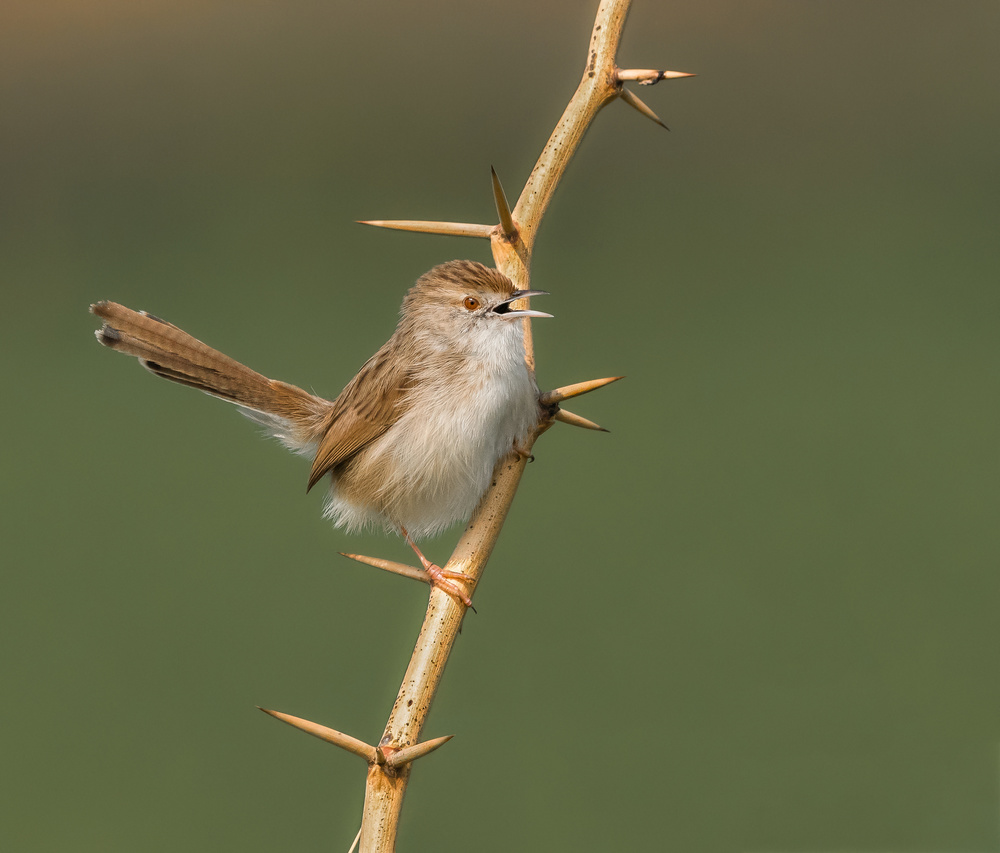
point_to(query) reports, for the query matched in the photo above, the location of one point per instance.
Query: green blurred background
(761, 614)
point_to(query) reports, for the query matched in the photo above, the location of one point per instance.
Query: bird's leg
(442, 578)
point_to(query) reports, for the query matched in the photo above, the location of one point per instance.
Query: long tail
(293, 415)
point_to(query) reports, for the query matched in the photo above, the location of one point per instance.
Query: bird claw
(444, 579)
(450, 582)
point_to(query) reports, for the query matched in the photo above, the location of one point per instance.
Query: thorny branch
(512, 242)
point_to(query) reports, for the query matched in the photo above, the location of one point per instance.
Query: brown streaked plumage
(411, 442)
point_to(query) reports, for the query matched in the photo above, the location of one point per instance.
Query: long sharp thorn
(454, 229)
(418, 750)
(633, 101)
(576, 420)
(649, 76)
(390, 566)
(354, 846)
(351, 744)
(557, 395)
(503, 209)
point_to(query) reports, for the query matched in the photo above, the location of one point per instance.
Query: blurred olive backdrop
(760, 614)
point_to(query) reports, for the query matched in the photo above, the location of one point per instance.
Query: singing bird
(411, 442)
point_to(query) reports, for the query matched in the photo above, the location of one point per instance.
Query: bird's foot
(450, 582)
(444, 579)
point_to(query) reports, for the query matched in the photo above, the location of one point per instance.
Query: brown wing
(372, 402)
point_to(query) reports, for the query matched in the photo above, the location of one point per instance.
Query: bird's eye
(471, 303)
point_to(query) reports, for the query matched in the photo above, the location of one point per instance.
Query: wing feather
(371, 403)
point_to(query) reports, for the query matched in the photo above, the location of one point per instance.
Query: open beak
(504, 309)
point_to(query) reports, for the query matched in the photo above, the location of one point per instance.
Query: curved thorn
(503, 209)
(411, 753)
(634, 101)
(351, 744)
(576, 420)
(390, 566)
(557, 395)
(454, 229)
(648, 76)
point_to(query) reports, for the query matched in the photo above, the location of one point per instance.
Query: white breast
(436, 461)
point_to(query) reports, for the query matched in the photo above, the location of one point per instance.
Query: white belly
(436, 461)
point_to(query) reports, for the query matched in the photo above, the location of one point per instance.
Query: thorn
(557, 395)
(503, 209)
(351, 744)
(354, 846)
(455, 229)
(390, 566)
(633, 101)
(648, 76)
(399, 757)
(576, 420)
(443, 581)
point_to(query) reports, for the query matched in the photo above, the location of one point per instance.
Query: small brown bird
(411, 443)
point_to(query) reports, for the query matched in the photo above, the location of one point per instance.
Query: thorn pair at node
(552, 399)
(385, 756)
(507, 226)
(644, 77)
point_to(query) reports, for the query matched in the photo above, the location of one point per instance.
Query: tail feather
(164, 349)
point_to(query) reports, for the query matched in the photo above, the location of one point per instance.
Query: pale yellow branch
(512, 244)
(597, 87)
